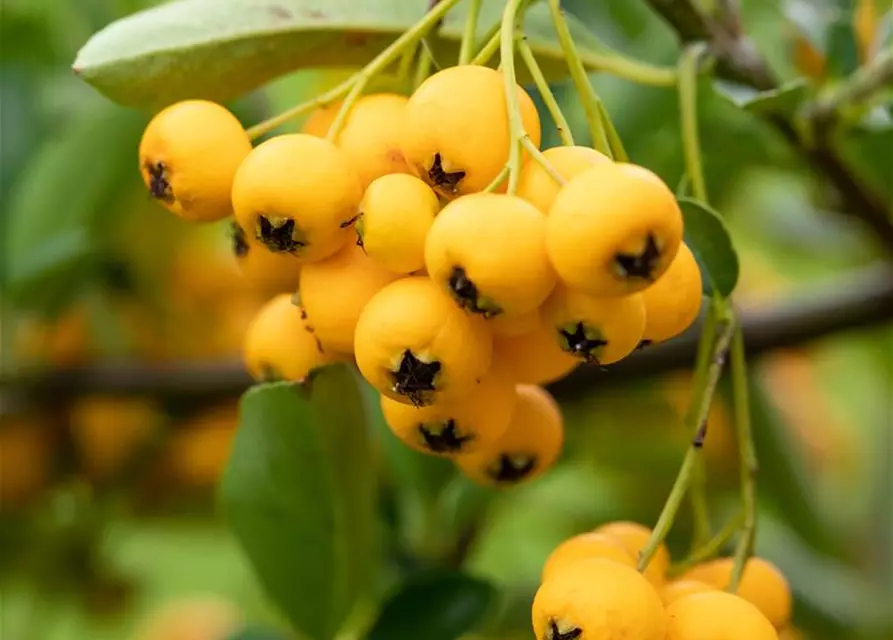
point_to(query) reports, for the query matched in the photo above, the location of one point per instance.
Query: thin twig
(865, 83)
(711, 548)
(542, 85)
(858, 300)
(466, 49)
(703, 401)
(747, 457)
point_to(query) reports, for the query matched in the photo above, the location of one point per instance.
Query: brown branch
(738, 60)
(858, 300)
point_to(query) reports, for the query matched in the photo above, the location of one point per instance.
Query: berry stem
(618, 65)
(537, 155)
(577, 70)
(346, 107)
(542, 85)
(748, 464)
(698, 491)
(423, 68)
(688, 112)
(711, 548)
(489, 49)
(498, 180)
(614, 141)
(408, 39)
(406, 64)
(699, 426)
(511, 20)
(466, 49)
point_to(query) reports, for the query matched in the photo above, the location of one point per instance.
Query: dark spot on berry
(555, 633)
(446, 182)
(578, 344)
(465, 292)
(279, 238)
(415, 379)
(159, 182)
(445, 440)
(511, 468)
(347, 223)
(643, 344)
(640, 265)
(240, 242)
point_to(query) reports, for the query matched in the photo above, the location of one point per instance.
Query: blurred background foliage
(108, 502)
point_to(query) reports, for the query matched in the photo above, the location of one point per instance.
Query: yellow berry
(456, 133)
(613, 229)
(790, 633)
(526, 449)
(279, 345)
(334, 291)
(462, 425)
(582, 546)
(673, 302)
(533, 357)
(597, 599)
(761, 584)
(267, 271)
(634, 537)
(297, 194)
(396, 213)
(195, 618)
(676, 589)
(504, 326)
(488, 250)
(189, 154)
(539, 188)
(717, 615)
(415, 346)
(595, 329)
(371, 135)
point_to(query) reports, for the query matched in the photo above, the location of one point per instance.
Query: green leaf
(62, 201)
(708, 238)
(783, 101)
(437, 605)
(299, 493)
(220, 49)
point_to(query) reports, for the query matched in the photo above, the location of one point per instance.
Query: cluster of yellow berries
(456, 300)
(591, 590)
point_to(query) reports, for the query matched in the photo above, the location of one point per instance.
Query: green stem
(498, 180)
(409, 38)
(747, 457)
(422, 69)
(537, 155)
(710, 548)
(406, 64)
(346, 107)
(698, 490)
(628, 69)
(542, 85)
(688, 110)
(489, 49)
(508, 32)
(617, 149)
(699, 426)
(466, 49)
(581, 82)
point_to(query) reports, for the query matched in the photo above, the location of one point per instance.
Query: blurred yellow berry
(189, 154)
(598, 599)
(527, 448)
(676, 589)
(634, 536)
(717, 615)
(582, 546)
(539, 188)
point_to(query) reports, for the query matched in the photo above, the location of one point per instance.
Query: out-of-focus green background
(108, 508)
